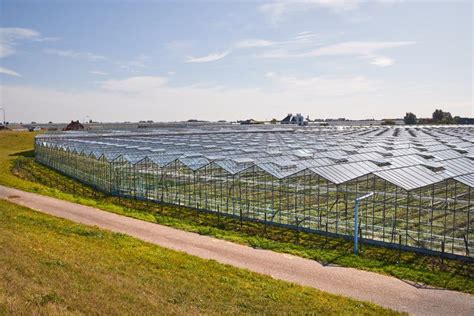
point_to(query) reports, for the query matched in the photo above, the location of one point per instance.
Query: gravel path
(367, 286)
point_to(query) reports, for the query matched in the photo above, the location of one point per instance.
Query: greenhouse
(422, 178)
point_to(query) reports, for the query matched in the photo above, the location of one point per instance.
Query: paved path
(368, 286)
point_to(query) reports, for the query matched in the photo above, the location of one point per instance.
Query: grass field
(433, 271)
(49, 265)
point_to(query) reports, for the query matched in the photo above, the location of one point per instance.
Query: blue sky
(134, 60)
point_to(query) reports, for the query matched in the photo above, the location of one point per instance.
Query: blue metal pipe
(356, 228)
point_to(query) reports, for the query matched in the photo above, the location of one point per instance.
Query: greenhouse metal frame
(302, 178)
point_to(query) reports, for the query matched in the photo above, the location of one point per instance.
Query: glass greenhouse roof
(409, 157)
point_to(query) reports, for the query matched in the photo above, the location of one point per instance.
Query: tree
(447, 118)
(410, 119)
(438, 115)
(273, 121)
(442, 117)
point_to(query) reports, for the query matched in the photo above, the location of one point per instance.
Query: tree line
(438, 117)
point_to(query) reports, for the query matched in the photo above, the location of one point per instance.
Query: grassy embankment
(53, 266)
(450, 274)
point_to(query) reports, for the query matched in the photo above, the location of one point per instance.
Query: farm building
(302, 178)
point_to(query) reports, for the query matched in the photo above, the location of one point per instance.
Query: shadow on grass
(27, 154)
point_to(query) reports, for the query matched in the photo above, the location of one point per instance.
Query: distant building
(465, 120)
(250, 122)
(297, 119)
(34, 129)
(74, 126)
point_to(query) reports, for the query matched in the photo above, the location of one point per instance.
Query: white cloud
(10, 36)
(98, 72)
(382, 61)
(134, 84)
(366, 49)
(75, 54)
(250, 43)
(9, 72)
(300, 41)
(324, 85)
(136, 63)
(358, 48)
(17, 33)
(47, 39)
(135, 98)
(305, 36)
(270, 74)
(208, 58)
(277, 10)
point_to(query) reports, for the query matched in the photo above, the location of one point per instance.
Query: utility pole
(356, 221)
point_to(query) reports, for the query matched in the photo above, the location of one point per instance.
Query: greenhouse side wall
(431, 218)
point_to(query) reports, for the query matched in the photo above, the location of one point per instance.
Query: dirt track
(368, 286)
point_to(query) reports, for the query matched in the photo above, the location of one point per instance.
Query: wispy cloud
(74, 54)
(209, 58)
(9, 72)
(299, 41)
(253, 42)
(47, 39)
(10, 36)
(365, 49)
(277, 10)
(134, 84)
(382, 61)
(324, 85)
(98, 72)
(360, 48)
(135, 64)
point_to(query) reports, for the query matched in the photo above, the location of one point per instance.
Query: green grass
(450, 274)
(53, 266)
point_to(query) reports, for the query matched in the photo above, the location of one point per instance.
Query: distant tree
(410, 119)
(457, 120)
(438, 115)
(441, 117)
(448, 119)
(273, 121)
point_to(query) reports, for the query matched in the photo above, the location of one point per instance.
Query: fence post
(442, 252)
(466, 245)
(240, 213)
(265, 224)
(399, 247)
(326, 236)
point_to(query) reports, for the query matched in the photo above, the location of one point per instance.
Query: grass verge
(50, 265)
(15, 152)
